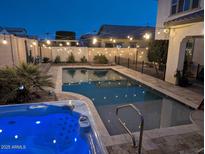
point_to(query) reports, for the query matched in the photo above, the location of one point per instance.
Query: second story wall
(166, 12)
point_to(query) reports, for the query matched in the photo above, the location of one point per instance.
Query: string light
(95, 40)
(147, 36)
(34, 43)
(48, 42)
(4, 41)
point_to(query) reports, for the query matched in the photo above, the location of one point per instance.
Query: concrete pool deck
(150, 137)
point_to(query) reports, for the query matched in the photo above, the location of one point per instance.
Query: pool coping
(122, 138)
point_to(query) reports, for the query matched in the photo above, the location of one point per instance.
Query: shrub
(83, 60)
(57, 59)
(20, 83)
(100, 59)
(158, 51)
(45, 59)
(71, 58)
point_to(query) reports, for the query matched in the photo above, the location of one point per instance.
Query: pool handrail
(127, 129)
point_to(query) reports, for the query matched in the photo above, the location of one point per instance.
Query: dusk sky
(81, 16)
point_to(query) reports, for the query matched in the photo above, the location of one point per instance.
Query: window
(195, 4)
(174, 7)
(186, 5)
(178, 6)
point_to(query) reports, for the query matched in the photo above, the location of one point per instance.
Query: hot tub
(48, 128)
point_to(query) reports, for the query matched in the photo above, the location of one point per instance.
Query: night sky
(81, 16)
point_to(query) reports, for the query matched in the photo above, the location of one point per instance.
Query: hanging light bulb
(34, 43)
(4, 41)
(95, 40)
(48, 42)
(67, 43)
(147, 36)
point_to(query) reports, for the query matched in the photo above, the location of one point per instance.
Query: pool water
(42, 129)
(109, 89)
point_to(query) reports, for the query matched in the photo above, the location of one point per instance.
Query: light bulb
(4, 41)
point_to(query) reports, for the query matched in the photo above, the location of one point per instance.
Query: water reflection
(108, 89)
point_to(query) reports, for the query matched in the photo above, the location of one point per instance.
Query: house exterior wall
(177, 36)
(176, 50)
(14, 52)
(163, 15)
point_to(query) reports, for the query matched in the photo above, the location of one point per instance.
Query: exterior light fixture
(111, 39)
(77, 43)
(67, 43)
(147, 48)
(95, 40)
(147, 36)
(114, 41)
(166, 30)
(158, 32)
(131, 38)
(128, 36)
(60, 44)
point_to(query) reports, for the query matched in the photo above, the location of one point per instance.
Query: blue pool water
(41, 129)
(108, 89)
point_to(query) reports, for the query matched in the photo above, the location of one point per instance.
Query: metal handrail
(129, 132)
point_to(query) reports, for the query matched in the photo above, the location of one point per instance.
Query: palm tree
(18, 84)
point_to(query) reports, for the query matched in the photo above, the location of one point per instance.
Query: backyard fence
(149, 68)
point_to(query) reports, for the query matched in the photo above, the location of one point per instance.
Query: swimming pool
(108, 89)
(46, 128)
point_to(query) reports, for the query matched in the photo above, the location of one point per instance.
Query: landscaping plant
(21, 83)
(157, 53)
(100, 59)
(71, 58)
(83, 60)
(57, 59)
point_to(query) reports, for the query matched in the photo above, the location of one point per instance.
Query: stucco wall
(198, 55)
(176, 50)
(163, 15)
(89, 53)
(14, 52)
